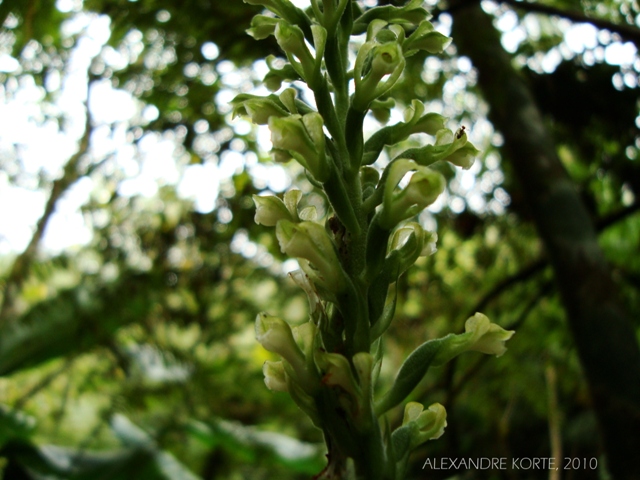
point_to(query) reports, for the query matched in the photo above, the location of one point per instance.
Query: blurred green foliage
(133, 356)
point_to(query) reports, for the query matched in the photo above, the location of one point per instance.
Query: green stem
(337, 70)
(354, 138)
(340, 200)
(327, 109)
(376, 250)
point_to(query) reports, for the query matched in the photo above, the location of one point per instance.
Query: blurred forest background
(131, 270)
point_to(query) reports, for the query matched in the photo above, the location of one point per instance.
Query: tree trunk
(602, 330)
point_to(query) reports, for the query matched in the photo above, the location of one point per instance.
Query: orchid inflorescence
(349, 261)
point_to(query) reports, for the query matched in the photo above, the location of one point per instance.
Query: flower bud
(454, 148)
(337, 372)
(259, 109)
(303, 138)
(408, 242)
(386, 59)
(262, 27)
(402, 234)
(427, 424)
(375, 26)
(425, 37)
(488, 337)
(386, 36)
(480, 336)
(310, 241)
(423, 189)
(274, 78)
(309, 214)
(269, 210)
(464, 156)
(457, 148)
(411, 14)
(274, 376)
(314, 125)
(291, 40)
(274, 334)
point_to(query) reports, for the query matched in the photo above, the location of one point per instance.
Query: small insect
(460, 132)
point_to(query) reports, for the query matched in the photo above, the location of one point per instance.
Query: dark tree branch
(21, 265)
(530, 270)
(615, 217)
(626, 32)
(602, 330)
(503, 285)
(521, 276)
(43, 383)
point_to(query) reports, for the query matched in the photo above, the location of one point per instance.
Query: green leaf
(26, 460)
(250, 443)
(400, 447)
(14, 425)
(63, 325)
(410, 374)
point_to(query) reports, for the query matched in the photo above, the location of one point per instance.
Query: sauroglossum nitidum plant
(350, 259)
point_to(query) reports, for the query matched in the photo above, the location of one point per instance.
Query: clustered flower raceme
(335, 357)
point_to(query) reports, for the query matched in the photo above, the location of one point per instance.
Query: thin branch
(43, 383)
(529, 271)
(626, 31)
(20, 268)
(524, 274)
(614, 217)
